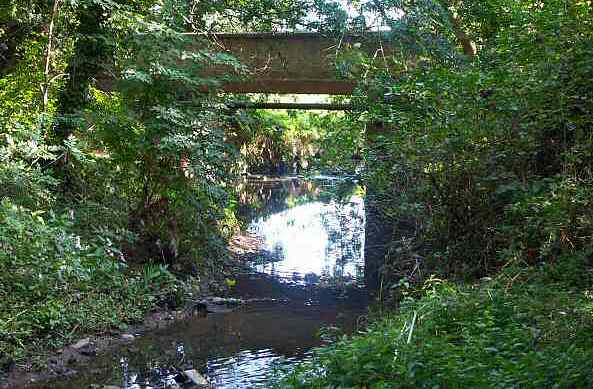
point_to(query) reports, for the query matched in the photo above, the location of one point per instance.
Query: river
(304, 287)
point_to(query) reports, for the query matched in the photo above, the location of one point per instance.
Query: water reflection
(244, 370)
(316, 241)
(315, 234)
(263, 197)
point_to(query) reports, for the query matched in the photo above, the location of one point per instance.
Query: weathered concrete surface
(306, 106)
(295, 62)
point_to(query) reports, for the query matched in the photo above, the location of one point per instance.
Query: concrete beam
(299, 63)
(292, 86)
(302, 106)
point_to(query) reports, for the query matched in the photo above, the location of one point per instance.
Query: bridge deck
(294, 63)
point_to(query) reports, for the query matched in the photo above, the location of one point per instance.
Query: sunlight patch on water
(315, 241)
(244, 370)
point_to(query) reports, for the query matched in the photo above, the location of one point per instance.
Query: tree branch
(46, 83)
(469, 48)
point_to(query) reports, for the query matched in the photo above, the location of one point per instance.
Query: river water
(306, 285)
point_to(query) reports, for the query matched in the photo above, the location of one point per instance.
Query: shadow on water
(312, 279)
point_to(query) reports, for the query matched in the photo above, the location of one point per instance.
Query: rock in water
(81, 343)
(127, 337)
(196, 378)
(219, 308)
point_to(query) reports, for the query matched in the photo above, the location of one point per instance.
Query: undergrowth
(54, 286)
(522, 329)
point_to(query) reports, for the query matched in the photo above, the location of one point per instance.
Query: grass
(519, 330)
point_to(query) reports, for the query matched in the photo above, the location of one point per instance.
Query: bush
(492, 156)
(54, 285)
(502, 333)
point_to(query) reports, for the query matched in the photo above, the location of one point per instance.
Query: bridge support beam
(302, 106)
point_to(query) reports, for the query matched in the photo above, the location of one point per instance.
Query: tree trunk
(50, 37)
(469, 47)
(90, 51)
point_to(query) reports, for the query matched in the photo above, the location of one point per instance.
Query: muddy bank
(69, 361)
(72, 359)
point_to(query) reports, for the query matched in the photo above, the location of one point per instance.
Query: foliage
(512, 331)
(112, 149)
(116, 146)
(341, 143)
(465, 146)
(283, 142)
(251, 16)
(161, 109)
(55, 285)
(277, 142)
(478, 164)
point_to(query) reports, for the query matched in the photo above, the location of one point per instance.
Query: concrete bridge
(296, 63)
(305, 63)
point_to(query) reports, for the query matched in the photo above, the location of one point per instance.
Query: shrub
(502, 333)
(54, 285)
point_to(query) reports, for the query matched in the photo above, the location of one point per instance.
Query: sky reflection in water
(324, 239)
(242, 348)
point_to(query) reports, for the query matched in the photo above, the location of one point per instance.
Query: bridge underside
(306, 64)
(294, 63)
(285, 86)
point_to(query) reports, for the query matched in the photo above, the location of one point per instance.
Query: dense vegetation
(114, 167)
(288, 142)
(480, 173)
(526, 332)
(117, 158)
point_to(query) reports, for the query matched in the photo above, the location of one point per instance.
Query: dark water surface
(313, 235)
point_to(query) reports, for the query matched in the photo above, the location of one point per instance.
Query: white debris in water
(196, 377)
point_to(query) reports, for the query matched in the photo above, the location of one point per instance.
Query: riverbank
(293, 272)
(525, 328)
(143, 301)
(51, 364)
(59, 289)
